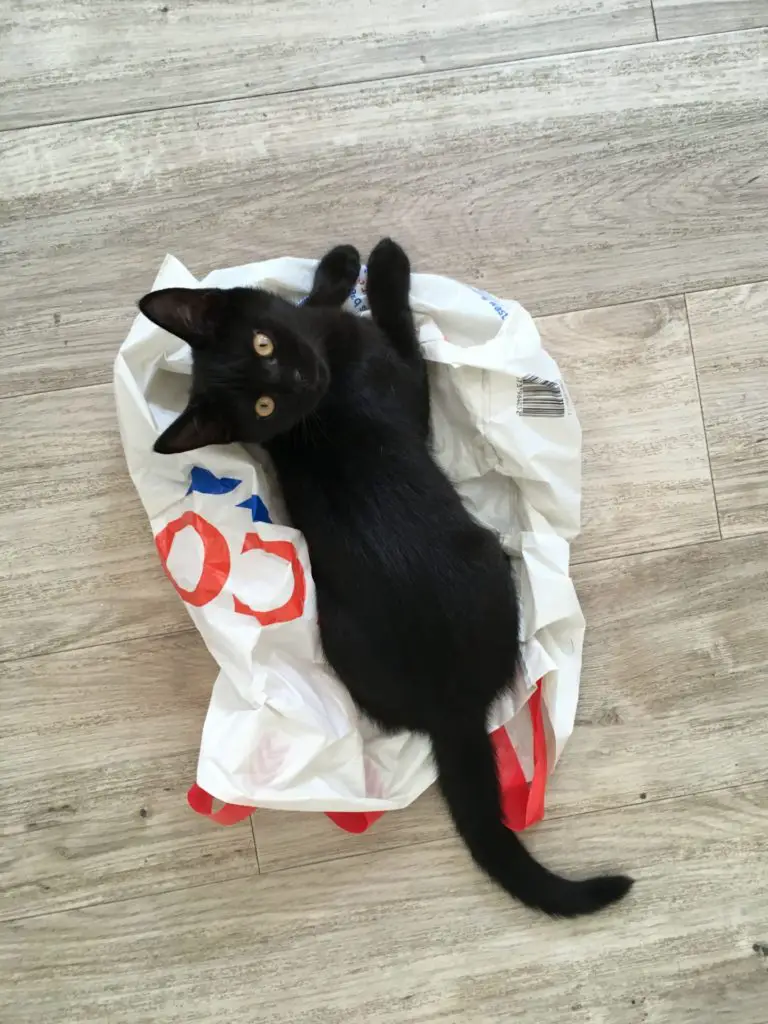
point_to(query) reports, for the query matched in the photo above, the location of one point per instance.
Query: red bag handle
(228, 814)
(522, 801)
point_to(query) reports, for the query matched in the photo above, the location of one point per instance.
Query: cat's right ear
(189, 313)
(197, 427)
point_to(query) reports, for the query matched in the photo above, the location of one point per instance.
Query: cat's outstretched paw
(389, 276)
(335, 277)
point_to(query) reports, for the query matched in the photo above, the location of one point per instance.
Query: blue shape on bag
(206, 482)
(259, 513)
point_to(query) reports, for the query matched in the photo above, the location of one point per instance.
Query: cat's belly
(401, 655)
(416, 602)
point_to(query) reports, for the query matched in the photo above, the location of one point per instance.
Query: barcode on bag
(539, 397)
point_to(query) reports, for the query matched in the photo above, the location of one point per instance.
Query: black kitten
(416, 604)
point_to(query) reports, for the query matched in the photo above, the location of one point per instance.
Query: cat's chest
(326, 480)
(309, 474)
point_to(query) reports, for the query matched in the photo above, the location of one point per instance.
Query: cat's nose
(300, 381)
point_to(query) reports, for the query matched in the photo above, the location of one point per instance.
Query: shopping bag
(281, 730)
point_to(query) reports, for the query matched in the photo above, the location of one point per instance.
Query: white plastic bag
(281, 730)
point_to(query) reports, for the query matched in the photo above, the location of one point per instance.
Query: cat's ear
(197, 427)
(189, 313)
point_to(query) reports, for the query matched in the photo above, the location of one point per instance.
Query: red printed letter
(216, 560)
(294, 606)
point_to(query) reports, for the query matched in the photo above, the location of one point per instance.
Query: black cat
(416, 603)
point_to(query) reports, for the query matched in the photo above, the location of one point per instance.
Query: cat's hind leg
(335, 277)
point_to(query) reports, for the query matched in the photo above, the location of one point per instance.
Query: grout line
(383, 850)
(651, 297)
(103, 643)
(126, 899)
(544, 314)
(656, 551)
(183, 631)
(655, 25)
(548, 818)
(301, 89)
(191, 629)
(255, 844)
(16, 395)
(703, 420)
(498, 62)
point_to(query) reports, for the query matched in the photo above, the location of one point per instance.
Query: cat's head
(258, 364)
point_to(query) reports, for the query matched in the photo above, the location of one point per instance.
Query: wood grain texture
(646, 480)
(674, 694)
(417, 935)
(729, 328)
(79, 566)
(68, 62)
(566, 182)
(98, 749)
(676, 18)
(674, 699)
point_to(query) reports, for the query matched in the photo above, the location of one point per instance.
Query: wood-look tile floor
(607, 164)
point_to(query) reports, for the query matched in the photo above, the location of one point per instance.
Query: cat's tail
(467, 776)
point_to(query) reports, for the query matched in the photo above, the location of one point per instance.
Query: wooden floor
(606, 163)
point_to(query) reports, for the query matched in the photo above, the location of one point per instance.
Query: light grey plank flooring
(417, 935)
(646, 480)
(567, 182)
(67, 62)
(608, 181)
(79, 565)
(693, 17)
(98, 747)
(729, 328)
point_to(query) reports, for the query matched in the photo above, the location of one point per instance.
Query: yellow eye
(263, 345)
(265, 406)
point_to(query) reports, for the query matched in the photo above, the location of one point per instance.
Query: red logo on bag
(216, 558)
(294, 606)
(217, 565)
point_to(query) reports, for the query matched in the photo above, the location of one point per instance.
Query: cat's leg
(389, 285)
(335, 277)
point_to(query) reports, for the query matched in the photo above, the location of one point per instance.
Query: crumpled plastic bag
(281, 730)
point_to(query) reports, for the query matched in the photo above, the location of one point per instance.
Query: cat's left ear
(197, 427)
(189, 313)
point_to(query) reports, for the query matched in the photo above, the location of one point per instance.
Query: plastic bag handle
(228, 814)
(522, 801)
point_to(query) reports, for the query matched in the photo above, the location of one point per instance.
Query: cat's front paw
(340, 266)
(335, 277)
(389, 273)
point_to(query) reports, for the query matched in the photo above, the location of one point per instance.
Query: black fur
(416, 603)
